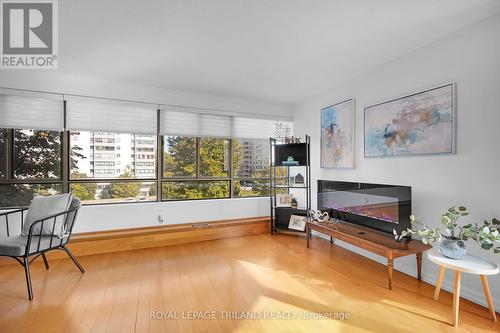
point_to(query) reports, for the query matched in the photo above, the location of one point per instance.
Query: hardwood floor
(262, 275)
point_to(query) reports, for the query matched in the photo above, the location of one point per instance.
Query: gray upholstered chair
(46, 226)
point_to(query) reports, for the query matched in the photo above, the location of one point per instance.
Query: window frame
(65, 180)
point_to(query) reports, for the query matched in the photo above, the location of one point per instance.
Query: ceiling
(274, 50)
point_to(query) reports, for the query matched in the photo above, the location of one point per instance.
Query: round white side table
(469, 264)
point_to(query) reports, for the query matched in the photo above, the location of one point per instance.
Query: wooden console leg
(439, 281)
(308, 236)
(419, 266)
(390, 269)
(456, 298)
(488, 297)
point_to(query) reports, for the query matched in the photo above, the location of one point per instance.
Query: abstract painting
(337, 135)
(422, 123)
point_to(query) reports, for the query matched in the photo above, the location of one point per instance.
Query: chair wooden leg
(73, 258)
(439, 281)
(488, 297)
(28, 277)
(45, 261)
(456, 298)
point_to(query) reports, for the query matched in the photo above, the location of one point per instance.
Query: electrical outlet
(160, 219)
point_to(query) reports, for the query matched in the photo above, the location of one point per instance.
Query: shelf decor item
(297, 222)
(337, 135)
(319, 216)
(298, 179)
(290, 161)
(452, 240)
(422, 123)
(284, 200)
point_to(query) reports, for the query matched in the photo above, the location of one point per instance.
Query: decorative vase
(453, 248)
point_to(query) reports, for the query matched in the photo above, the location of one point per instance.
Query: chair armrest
(51, 222)
(10, 212)
(14, 211)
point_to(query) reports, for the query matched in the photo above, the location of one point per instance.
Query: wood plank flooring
(263, 275)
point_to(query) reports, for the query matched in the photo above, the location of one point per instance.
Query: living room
(250, 166)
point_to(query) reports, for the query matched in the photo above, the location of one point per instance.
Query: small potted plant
(453, 239)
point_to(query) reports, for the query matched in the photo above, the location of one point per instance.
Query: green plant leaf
(495, 221)
(486, 246)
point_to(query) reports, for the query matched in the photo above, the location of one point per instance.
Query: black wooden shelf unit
(282, 179)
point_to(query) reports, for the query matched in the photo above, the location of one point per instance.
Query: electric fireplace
(377, 206)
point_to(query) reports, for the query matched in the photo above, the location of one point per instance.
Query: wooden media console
(371, 240)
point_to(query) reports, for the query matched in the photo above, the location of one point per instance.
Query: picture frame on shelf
(284, 200)
(297, 222)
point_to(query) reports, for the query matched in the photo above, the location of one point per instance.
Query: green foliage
(180, 158)
(195, 190)
(125, 189)
(83, 191)
(449, 219)
(486, 235)
(37, 154)
(214, 157)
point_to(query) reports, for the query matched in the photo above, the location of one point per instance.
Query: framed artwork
(418, 124)
(284, 200)
(337, 135)
(297, 222)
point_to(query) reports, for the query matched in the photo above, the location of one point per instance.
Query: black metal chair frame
(30, 254)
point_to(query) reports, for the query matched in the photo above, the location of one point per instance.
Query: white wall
(119, 216)
(471, 58)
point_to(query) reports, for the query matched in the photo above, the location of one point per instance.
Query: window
(214, 157)
(17, 195)
(193, 161)
(105, 151)
(250, 167)
(114, 192)
(36, 165)
(37, 154)
(98, 160)
(90, 160)
(179, 156)
(195, 189)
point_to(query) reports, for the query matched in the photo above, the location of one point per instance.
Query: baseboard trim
(98, 242)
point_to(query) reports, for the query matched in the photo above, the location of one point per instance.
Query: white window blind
(214, 125)
(254, 128)
(25, 110)
(179, 121)
(94, 114)
(183, 121)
